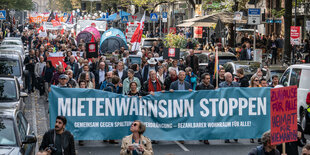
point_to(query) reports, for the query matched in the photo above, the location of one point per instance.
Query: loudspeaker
(83, 5)
(98, 6)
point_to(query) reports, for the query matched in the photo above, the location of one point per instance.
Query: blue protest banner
(229, 113)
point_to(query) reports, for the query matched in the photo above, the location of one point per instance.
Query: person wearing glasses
(136, 143)
(255, 82)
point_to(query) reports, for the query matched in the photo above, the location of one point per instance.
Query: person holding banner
(266, 148)
(152, 84)
(180, 84)
(136, 143)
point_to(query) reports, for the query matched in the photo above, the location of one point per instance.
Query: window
(7, 90)
(284, 78)
(10, 67)
(295, 77)
(304, 79)
(7, 134)
(21, 128)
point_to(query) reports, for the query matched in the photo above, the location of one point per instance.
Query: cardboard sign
(130, 30)
(295, 35)
(173, 30)
(91, 50)
(283, 113)
(197, 32)
(173, 53)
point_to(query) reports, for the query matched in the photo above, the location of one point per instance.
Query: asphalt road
(36, 112)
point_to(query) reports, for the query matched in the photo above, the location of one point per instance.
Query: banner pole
(283, 148)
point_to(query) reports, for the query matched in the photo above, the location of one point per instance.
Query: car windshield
(7, 134)
(10, 43)
(7, 90)
(10, 67)
(223, 60)
(148, 42)
(246, 68)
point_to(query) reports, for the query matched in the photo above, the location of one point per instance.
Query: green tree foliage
(16, 4)
(227, 5)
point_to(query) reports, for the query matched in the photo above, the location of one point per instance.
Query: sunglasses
(256, 80)
(134, 124)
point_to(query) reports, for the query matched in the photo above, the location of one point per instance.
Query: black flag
(51, 17)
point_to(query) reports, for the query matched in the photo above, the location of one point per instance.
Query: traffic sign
(2, 14)
(153, 17)
(105, 15)
(124, 19)
(308, 25)
(165, 14)
(254, 16)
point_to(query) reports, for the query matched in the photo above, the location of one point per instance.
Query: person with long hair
(136, 143)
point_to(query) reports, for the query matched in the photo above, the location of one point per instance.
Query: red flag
(55, 23)
(56, 17)
(137, 35)
(56, 61)
(40, 29)
(62, 31)
(92, 39)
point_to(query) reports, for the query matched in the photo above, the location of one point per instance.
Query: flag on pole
(51, 17)
(40, 29)
(70, 19)
(216, 66)
(137, 35)
(56, 17)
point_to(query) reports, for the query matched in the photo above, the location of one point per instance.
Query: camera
(52, 148)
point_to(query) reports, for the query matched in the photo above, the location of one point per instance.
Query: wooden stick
(283, 148)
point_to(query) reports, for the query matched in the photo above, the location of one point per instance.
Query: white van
(299, 75)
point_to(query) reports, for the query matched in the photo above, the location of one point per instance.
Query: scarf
(151, 87)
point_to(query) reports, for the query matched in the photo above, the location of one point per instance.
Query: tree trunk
(287, 28)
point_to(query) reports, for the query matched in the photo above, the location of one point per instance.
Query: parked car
(12, 42)
(18, 49)
(298, 75)
(10, 94)
(11, 63)
(16, 135)
(249, 67)
(148, 42)
(275, 70)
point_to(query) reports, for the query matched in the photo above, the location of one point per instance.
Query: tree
(16, 4)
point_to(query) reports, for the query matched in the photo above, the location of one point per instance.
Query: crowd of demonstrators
(115, 73)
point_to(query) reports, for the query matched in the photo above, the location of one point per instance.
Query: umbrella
(111, 44)
(94, 32)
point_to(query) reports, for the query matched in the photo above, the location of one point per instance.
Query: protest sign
(173, 53)
(92, 50)
(131, 27)
(283, 113)
(181, 115)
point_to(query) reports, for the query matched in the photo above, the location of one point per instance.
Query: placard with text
(283, 114)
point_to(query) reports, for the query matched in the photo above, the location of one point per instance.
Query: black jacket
(202, 86)
(244, 82)
(67, 141)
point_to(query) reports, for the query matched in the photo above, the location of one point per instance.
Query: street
(36, 112)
